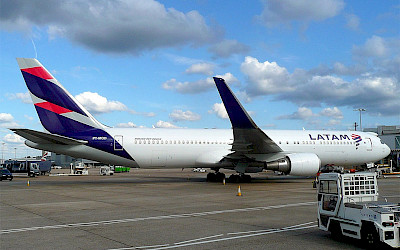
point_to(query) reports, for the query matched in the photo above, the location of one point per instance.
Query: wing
(46, 138)
(248, 138)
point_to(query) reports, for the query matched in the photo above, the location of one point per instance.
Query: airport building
(390, 135)
(65, 161)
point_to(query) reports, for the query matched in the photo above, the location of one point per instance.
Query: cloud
(373, 47)
(179, 115)
(96, 103)
(219, 110)
(7, 121)
(128, 125)
(201, 68)
(24, 97)
(278, 12)
(109, 26)
(163, 124)
(196, 87)
(266, 77)
(353, 22)
(5, 117)
(302, 113)
(374, 84)
(332, 112)
(13, 138)
(228, 48)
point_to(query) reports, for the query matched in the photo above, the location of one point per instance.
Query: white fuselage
(179, 148)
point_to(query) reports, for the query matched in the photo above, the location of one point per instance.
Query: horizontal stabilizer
(46, 138)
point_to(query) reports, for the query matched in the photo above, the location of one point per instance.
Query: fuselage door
(118, 143)
(368, 142)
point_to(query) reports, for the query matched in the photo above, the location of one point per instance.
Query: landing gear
(215, 177)
(242, 178)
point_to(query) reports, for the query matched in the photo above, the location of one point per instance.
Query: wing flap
(46, 138)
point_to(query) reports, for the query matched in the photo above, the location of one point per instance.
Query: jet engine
(302, 164)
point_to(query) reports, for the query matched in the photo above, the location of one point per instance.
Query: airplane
(71, 130)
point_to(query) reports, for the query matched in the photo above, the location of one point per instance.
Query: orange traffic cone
(28, 183)
(239, 193)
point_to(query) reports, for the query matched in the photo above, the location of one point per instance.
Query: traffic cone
(28, 184)
(239, 193)
(223, 181)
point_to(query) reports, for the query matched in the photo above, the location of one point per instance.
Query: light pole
(360, 110)
(15, 153)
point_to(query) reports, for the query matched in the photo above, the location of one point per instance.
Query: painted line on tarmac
(267, 230)
(161, 217)
(206, 240)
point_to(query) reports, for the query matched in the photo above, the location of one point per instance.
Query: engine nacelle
(301, 164)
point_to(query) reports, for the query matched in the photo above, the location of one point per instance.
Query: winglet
(237, 114)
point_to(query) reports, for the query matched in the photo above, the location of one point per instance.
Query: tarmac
(165, 209)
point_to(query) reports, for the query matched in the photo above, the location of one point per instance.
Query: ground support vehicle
(106, 170)
(5, 175)
(19, 167)
(348, 206)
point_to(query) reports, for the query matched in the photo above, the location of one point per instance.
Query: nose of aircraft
(386, 150)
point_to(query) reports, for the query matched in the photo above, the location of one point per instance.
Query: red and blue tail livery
(60, 113)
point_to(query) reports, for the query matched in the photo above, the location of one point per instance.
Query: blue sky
(293, 63)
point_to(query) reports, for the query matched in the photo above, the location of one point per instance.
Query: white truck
(348, 206)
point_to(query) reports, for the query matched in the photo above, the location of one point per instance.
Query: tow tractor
(348, 206)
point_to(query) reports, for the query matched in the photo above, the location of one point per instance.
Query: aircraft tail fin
(59, 112)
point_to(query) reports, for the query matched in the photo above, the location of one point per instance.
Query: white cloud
(228, 48)
(13, 138)
(285, 11)
(332, 112)
(195, 87)
(179, 115)
(353, 21)
(24, 97)
(163, 124)
(302, 113)
(265, 77)
(112, 26)
(126, 125)
(219, 110)
(5, 117)
(96, 103)
(376, 86)
(334, 122)
(201, 68)
(373, 47)
(7, 121)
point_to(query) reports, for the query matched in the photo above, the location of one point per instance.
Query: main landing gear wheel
(215, 177)
(243, 178)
